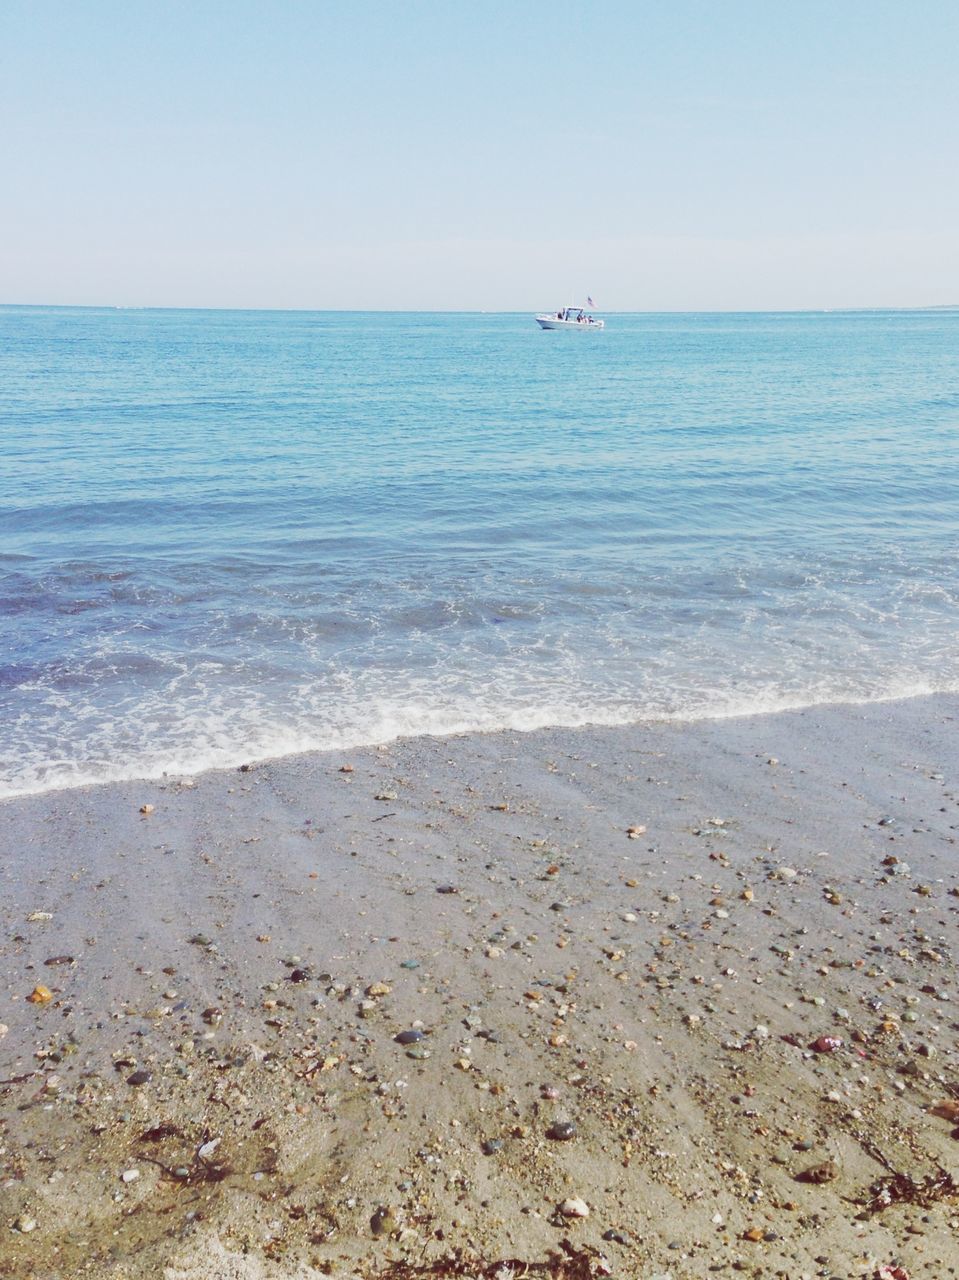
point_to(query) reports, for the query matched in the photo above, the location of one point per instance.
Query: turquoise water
(230, 535)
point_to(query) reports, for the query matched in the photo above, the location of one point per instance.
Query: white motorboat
(579, 318)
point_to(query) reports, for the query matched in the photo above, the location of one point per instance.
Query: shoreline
(239, 760)
(253, 944)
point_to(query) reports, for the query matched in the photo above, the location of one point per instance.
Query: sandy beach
(680, 995)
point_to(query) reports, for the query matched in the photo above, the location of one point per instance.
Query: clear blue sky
(660, 154)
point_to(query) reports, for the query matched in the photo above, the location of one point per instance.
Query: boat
(579, 318)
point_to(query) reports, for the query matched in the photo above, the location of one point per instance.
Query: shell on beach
(947, 1110)
(817, 1174)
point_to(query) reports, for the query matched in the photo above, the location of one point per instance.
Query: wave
(406, 721)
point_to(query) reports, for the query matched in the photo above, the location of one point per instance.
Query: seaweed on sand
(569, 1264)
(902, 1188)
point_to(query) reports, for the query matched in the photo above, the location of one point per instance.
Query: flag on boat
(589, 301)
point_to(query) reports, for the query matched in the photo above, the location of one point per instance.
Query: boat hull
(550, 322)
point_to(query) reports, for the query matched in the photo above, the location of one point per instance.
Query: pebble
(410, 1037)
(491, 1146)
(377, 989)
(40, 995)
(561, 1131)
(38, 917)
(130, 1175)
(819, 1173)
(574, 1208)
(947, 1110)
(147, 808)
(140, 1077)
(382, 1221)
(25, 1224)
(3, 1029)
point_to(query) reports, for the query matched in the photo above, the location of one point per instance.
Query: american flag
(589, 301)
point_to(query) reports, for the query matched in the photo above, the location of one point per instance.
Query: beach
(681, 995)
(479, 791)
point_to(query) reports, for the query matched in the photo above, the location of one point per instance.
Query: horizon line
(478, 311)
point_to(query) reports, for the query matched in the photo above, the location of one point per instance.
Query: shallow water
(228, 535)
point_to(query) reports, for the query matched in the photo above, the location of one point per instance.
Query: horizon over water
(107, 307)
(233, 535)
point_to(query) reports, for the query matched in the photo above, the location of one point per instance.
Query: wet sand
(621, 1018)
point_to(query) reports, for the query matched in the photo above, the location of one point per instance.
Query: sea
(227, 536)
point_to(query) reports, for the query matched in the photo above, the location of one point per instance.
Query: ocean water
(230, 535)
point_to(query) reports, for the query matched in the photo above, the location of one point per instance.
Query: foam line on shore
(400, 728)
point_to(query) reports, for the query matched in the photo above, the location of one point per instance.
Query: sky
(689, 155)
